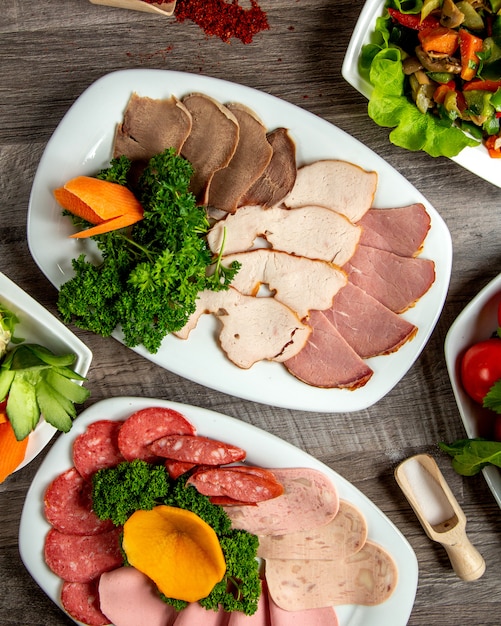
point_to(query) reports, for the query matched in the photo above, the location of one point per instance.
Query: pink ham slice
(401, 230)
(195, 615)
(327, 360)
(337, 185)
(396, 281)
(259, 618)
(368, 326)
(325, 616)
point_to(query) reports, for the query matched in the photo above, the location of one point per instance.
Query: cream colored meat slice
(325, 616)
(313, 232)
(340, 538)
(211, 143)
(337, 185)
(300, 283)
(150, 126)
(368, 577)
(251, 157)
(252, 329)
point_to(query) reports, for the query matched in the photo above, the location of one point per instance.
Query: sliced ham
(325, 616)
(337, 185)
(300, 283)
(259, 618)
(150, 126)
(211, 143)
(401, 230)
(313, 232)
(252, 155)
(279, 177)
(195, 615)
(396, 281)
(328, 360)
(344, 535)
(368, 577)
(368, 326)
(252, 329)
(309, 500)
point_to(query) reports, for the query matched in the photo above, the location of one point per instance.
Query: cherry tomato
(481, 368)
(499, 314)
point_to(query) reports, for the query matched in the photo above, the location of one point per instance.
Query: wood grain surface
(50, 52)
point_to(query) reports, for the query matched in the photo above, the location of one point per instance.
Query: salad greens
(428, 94)
(469, 456)
(150, 276)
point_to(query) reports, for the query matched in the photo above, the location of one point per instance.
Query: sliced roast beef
(300, 283)
(252, 155)
(337, 185)
(401, 230)
(313, 232)
(279, 177)
(328, 360)
(367, 325)
(396, 281)
(211, 143)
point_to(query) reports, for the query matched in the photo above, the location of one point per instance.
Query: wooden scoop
(439, 513)
(166, 8)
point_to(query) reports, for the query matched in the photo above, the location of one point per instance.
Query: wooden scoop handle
(466, 560)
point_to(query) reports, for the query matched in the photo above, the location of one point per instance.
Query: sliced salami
(177, 468)
(97, 448)
(81, 559)
(81, 601)
(197, 450)
(237, 484)
(68, 506)
(143, 427)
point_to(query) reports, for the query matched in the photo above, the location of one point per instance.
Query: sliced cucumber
(49, 358)
(71, 390)
(22, 406)
(53, 412)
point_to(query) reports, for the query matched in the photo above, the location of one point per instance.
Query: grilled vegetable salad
(435, 66)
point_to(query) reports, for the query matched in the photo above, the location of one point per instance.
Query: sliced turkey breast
(279, 177)
(338, 185)
(396, 281)
(252, 155)
(401, 230)
(253, 329)
(300, 283)
(328, 360)
(211, 143)
(150, 126)
(313, 232)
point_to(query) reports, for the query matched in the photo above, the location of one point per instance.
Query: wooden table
(50, 52)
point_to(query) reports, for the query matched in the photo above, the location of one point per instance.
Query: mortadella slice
(324, 616)
(195, 615)
(309, 500)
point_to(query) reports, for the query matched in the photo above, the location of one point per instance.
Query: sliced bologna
(81, 601)
(259, 618)
(68, 506)
(82, 558)
(143, 427)
(325, 616)
(309, 500)
(97, 447)
(249, 485)
(401, 230)
(197, 450)
(396, 281)
(343, 536)
(196, 615)
(328, 360)
(368, 577)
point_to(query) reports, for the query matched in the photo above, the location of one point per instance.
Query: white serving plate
(82, 144)
(476, 322)
(263, 449)
(37, 325)
(476, 160)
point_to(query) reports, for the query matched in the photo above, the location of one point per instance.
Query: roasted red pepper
(414, 21)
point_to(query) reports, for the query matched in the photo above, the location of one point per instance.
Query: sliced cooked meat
(211, 143)
(312, 231)
(338, 185)
(327, 360)
(396, 281)
(367, 325)
(253, 329)
(401, 230)
(279, 177)
(252, 155)
(300, 283)
(150, 126)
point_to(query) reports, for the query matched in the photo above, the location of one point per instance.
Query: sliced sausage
(197, 450)
(177, 468)
(97, 447)
(325, 616)
(250, 487)
(81, 601)
(259, 618)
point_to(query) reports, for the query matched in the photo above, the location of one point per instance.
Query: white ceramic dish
(476, 322)
(37, 325)
(262, 449)
(82, 144)
(476, 160)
